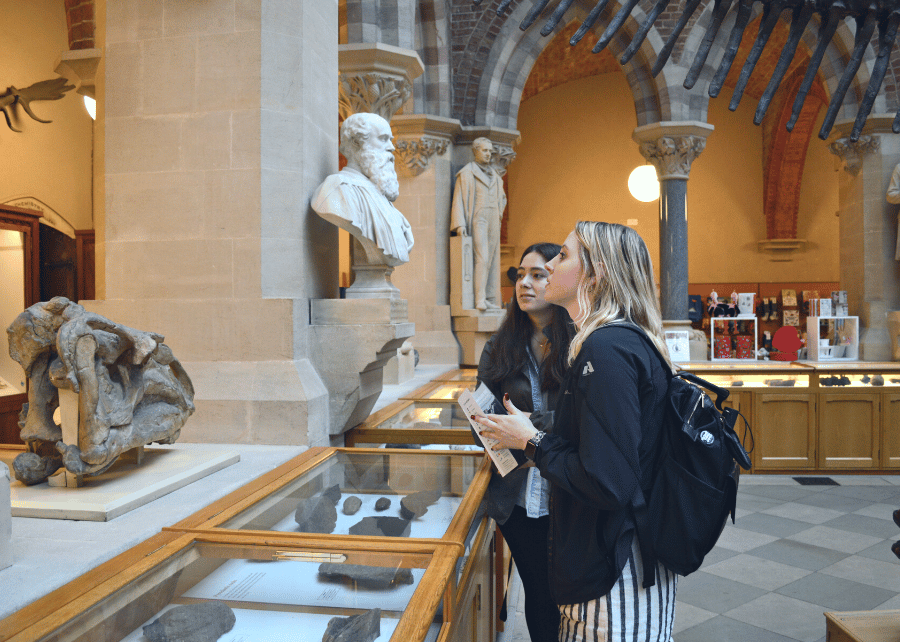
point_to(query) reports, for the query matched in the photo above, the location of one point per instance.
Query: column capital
(672, 146)
(503, 140)
(852, 152)
(418, 137)
(376, 78)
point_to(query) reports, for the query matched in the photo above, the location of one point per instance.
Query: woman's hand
(510, 431)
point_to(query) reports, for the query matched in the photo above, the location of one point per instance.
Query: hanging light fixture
(643, 184)
(91, 105)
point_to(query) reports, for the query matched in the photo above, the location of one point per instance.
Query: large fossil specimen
(883, 15)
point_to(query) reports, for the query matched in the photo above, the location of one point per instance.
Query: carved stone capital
(375, 78)
(419, 137)
(852, 152)
(672, 146)
(503, 140)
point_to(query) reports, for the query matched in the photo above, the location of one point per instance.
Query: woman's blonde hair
(624, 291)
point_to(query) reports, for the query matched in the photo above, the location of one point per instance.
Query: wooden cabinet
(473, 620)
(784, 428)
(849, 430)
(890, 430)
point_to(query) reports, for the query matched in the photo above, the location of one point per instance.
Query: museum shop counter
(426, 560)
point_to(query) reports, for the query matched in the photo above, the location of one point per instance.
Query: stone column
(473, 327)
(671, 147)
(423, 154)
(868, 230)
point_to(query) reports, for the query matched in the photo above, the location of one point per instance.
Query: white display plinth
(122, 488)
(841, 334)
(5, 519)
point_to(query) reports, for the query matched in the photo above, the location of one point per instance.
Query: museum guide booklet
(472, 404)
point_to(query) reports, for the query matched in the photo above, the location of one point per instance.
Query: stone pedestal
(462, 274)
(672, 147)
(868, 231)
(6, 558)
(472, 331)
(351, 341)
(401, 367)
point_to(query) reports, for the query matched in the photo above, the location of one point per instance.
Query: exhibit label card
(503, 459)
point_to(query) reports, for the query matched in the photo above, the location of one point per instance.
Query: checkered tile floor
(795, 552)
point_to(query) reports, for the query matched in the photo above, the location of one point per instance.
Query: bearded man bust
(360, 197)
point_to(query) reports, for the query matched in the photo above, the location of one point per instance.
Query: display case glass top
(370, 493)
(241, 591)
(461, 374)
(857, 374)
(414, 422)
(762, 374)
(441, 392)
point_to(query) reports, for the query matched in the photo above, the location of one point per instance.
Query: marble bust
(360, 197)
(478, 204)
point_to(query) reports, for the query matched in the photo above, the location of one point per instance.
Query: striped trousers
(628, 613)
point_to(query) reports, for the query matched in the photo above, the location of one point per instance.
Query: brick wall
(80, 20)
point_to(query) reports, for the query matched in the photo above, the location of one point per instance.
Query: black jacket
(599, 460)
(503, 492)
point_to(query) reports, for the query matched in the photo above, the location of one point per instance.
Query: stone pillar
(671, 147)
(213, 130)
(423, 154)
(868, 230)
(473, 327)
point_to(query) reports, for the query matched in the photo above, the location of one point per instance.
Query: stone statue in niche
(893, 197)
(117, 388)
(360, 199)
(478, 204)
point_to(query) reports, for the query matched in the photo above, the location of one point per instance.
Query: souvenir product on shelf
(792, 317)
(789, 298)
(839, 303)
(745, 304)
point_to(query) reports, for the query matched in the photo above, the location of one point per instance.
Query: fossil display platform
(122, 488)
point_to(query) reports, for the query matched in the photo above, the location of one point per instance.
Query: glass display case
(762, 374)
(867, 375)
(445, 392)
(236, 590)
(414, 422)
(398, 495)
(461, 374)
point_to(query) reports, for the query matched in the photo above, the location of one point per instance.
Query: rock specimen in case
(364, 627)
(351, 505)
(373, 577)
(333, 493)
(389, 526)
(416, 504)
(316, 514)
(201, 622)
(383, 503)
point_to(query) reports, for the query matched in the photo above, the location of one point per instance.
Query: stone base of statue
(351, 341)
(373, 269)
(472, 331)
(6, 558)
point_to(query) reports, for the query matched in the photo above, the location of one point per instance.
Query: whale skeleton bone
(883, 15)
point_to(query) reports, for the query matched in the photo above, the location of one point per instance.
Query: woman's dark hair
(514, 336)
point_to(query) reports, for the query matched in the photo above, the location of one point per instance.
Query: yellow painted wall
(576, 154)
(50, 162)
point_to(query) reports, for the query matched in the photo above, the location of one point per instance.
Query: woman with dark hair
(606, 441)
(526, 359)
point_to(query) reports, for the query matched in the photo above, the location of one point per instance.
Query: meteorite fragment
(416, 504)
(383, 503)
(364, 627)
(316, 514)
(878, 380)
(333, 493)
(351, 505)
(201, 622)
(780, 383)
(390, 526)
(373, 577)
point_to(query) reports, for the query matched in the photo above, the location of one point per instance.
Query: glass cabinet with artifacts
(446, 392)
(461, 374)
(367, 493)
(227, 588)
(414, 422)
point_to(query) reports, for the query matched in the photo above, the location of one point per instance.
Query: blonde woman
(605, 442)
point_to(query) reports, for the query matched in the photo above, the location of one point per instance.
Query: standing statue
(478, 204)
(127, 389)
(893, 197)
(360, 199)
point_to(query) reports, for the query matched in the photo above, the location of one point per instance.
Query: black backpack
(694, 488)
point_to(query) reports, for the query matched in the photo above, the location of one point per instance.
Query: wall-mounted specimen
(43, 90)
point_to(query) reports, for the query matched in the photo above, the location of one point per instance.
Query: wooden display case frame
(92, 594)
(460, 374)
(372, 430)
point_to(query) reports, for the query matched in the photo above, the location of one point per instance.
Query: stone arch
(386, 21)
(514, 53)
(80, 23)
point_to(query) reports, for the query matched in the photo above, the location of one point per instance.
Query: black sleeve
(604, 468)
